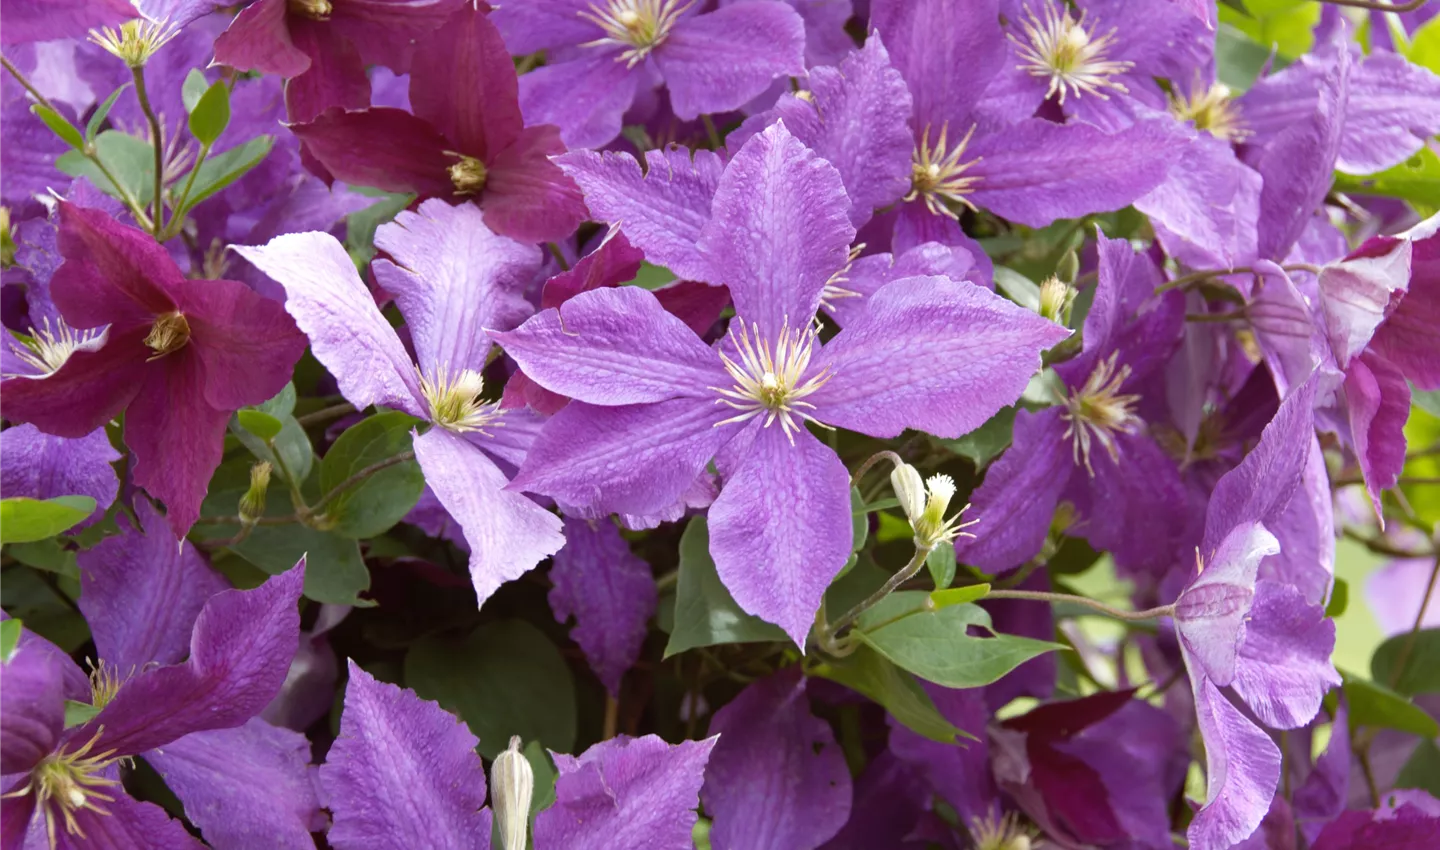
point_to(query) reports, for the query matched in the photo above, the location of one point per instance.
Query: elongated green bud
(512, 784)
(252, 504)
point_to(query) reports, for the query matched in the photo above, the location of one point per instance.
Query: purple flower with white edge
(1092, 450)
(153, 705)
(653, 403)
(452, 278)
(1258, 637)
(777, 780)
(603, 53)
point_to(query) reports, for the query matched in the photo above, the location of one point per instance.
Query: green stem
(827, 635)
(358, 477)
(714, 134)
(559, 256)
(1117, 613)
(1408, 648)
(157, 139)
(177, 217)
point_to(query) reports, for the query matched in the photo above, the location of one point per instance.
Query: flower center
(316, 10)
(136, 41)
(771, 381)
(468, 175)
(1061, 48)
(455, 403)
(1213, 110)
(168, 335)
(66, 782)
(1098, 410)
(1001, 833)
(937, 173)
(49, 348)
(834, 289)
(638, 26)
(925, 504)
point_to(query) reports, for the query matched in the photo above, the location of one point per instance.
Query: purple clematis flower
(47, 20)
(653, 403)
(325, 46)
(178, 356)
(63, 783)
(404, 773)
(1260, 638)
(1092, 450)
(39, 466)
(465, 140)
(1407, 820)
(603, 53)
(451, 277)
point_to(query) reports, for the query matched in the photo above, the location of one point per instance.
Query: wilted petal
(610, 593)
(334, 308)
(778, 532)
(778, 230)
(638, 793)
(1356, 295)
(931, 354)
(615, 346)
(634, 459)
(239, 654)
(453, 278)
(586, 97)
(1211, 613)
(250, 786)
(403, 773)
(661, 211)
(1408, 338)
(412, 157)
(142, 593)
(39, 466)
(776, 780)
(1243, 771)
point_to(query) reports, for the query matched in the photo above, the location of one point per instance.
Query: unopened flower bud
(909, 488)
(1069, 267)
(252, 504)
(512, 784)
(135, 41)
(925, 504)
(1056, 299)
(7, 242)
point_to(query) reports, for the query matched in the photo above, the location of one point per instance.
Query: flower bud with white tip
(512, 784)
(1056, 299)
(925, 504)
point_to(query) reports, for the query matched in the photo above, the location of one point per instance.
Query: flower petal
(544, 25)
(1243, 767)
(527, 196)
(615, 346)
(1284, 668)
(1211, 613)
(948, 53)
(976, 353)
(125, 824)
(113, 274)
(412, 159)
(402, 773)
(463, 83)
(334, 308)
(778, 230)
(586, 97)
(40, 466)
(453, 278)
(778, 530)
(258, 39)
(247, 343)
(720, 60)
(32, 703)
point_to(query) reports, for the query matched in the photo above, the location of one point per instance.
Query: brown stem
(1117, 613)
(359, 477)
(1411, 6)
(157, 138)
(827, 635)
(325, 414)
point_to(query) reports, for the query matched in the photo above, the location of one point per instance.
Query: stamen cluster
(639, 26)
(1098, 411)
(1061, 48)
(937, 173)
(455, 403)
(771, 381)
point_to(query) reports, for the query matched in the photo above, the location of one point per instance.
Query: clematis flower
(1407, 818)
(325, 46)
(395, 749)
(1258, 637)
(47, 20)
(152, 704)
(177, 356)
(465, 140)
(653, 404)
(603, 53)
(1092, 450)
(451, 277)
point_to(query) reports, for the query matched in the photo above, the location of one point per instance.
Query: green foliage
(130, 159)
(867, 672)
(936, 645)
(652, 276)
(79, 713)
(705, 612)
(259, 423)
(272, 434)
(1339, 599)
(941, 564)
(360, 225)
(374, 505)
(1420, 654)
(194, 88)
(23, 519)
(219, 171)
(102, 112)
(1285, 25)
(9, 639)
(211, 114)
(985, 443)
(1422, 769)
(1379, 707)
(959, 595)
(1416, 180)
(504, 679)
(59, 125)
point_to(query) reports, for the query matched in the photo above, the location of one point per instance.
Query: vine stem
(1410, 6)
(1408, 648)
(157, 138)
(827, 636)
(359, 477)
(1109, 611)
(1206, 274)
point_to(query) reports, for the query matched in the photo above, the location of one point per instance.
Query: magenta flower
(604, 53)
(176, 356)
(465, 140)
(653, 403)
(325, 46)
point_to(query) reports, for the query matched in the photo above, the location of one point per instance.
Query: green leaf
(867, 672)
(1339, 599)
(211, 115)
(23, 520)
(959, 595)
(360, 225)
(1238, 59)
(219, 171)
(1285, 25)
(936, 646)
(1416, 180)
(652, 277)
(194, 88)
(9, 639)
(505, 679)
(131, 160)
(705, 612)
(985, 443)
(545, 775)
(373, 506)
(1379, 707)
(59, 125)
(48, 555)
(1426, 400)
(941, 564)
(1422, 770)
(1017, 287)
(102, 112)
(859, 521)
(290, 442)
(1422, 667)
(261, 424)
(79, 713)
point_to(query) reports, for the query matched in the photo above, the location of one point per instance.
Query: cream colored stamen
(1098, 411)
(455, 403)
(937, 173)
(1061, 48)
(638, 26)
(169, 334)
(771, 381)
(1212, 109)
